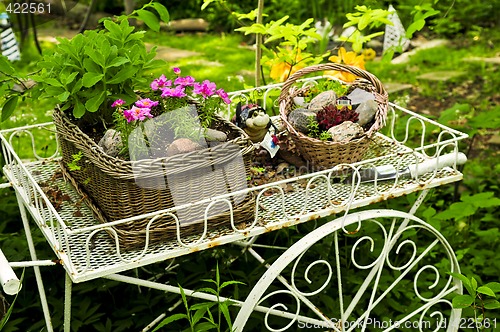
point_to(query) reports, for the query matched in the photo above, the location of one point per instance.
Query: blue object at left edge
(8, 42)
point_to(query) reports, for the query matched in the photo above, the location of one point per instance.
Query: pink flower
(224, 96)
(206, 88)
(177, 71)
(184, 81)
(136, 113)
(177, 92)
(146, 103)
(118, 103)
(160, 82)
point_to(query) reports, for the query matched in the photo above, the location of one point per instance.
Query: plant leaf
(207, 290)
(231, 282)
(79, 109)
(465, 281)
(70, 78)
(202, 305)
(486, 291)
(414, 27)
(5, 66)
(493, 304)
(205, 326)
(93, 104)
(118, 61)
(225, 311)
(64, 96)
(462, 301)
(162, 11)
(494, 286)
(198, 315)
(123, 75)
(9, 107)
(169, 320)
(149, 19)
(90, 79)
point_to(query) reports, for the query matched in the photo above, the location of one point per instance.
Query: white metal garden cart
(87, 252)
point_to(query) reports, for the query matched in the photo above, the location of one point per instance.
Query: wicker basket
(118, 189)
(325, 154)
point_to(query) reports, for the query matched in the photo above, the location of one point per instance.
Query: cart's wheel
(353, 275)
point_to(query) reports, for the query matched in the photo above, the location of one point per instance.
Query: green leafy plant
(86, 74)
(421, 14)
(285, 45)
(73, 165)
(364, 18)
(200, 316)
(336, 86)
(9, 97)
(480, 299)
(313, 127)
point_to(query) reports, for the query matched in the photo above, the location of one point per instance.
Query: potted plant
(101, 83)
(332, 122)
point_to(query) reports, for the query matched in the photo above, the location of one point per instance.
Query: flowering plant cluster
(173, 94)
(167, 95)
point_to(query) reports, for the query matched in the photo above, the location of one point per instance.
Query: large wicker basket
(117, 189)
(325, 154)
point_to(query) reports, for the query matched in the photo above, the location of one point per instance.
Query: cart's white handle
(10, 284)
(433, 164)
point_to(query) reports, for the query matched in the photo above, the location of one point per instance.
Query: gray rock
(182, 145)
(323, 99)
(358, 96)
(299, 118)
(212, 135)
(345, 132)
(366, 112)
(300, 101)
(111, 142)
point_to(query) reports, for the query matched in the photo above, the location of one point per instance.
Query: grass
(221, 58)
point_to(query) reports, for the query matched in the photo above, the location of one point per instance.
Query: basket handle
(332, 66)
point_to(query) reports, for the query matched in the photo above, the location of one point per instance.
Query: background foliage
(467, 213)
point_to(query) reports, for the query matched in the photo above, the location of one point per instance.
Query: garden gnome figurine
(253, 120)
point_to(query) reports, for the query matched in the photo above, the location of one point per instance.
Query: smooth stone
(358, 96)
(299, 119)
(325, 98)
(300, 101)
(111, 143)
(182, 145)
(212, 135)
(366, 112)
(345, 132)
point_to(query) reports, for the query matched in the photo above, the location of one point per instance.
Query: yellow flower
(348, 58)
(369, 54)
(281, 70)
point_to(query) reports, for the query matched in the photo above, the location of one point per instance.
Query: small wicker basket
(110, 185)
(325, 154)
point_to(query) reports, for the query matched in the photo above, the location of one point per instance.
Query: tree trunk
(258, 50)
(129, 6)
(83, 26)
